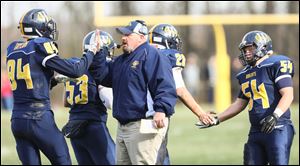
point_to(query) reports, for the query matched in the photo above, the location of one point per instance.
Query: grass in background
(218, 145)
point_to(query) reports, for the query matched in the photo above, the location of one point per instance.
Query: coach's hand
(201, 125)
(158, 119)
(206, 118)
(268, 123)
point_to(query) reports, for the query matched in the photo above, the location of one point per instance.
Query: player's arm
(187, 99)
(284, 71)
(65, 66)
(106, 96)
(286, 99)
(68, 68)
(283, 81)
(269, 122)
(234, 109)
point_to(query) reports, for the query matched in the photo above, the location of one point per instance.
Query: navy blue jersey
(260, 85)
(83, 98)
(177, 59)
(30, 66)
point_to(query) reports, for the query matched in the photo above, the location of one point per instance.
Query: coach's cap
(137, 26)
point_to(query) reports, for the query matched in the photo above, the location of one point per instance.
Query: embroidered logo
(134, 64)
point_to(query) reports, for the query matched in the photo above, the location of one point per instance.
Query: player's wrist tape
(278, 112)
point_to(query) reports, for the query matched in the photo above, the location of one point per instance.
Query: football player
(87, 128)
(30, 65)
(166, 38)
(267, 89)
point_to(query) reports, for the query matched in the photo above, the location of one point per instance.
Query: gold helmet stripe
(21, 24)
(151, 34)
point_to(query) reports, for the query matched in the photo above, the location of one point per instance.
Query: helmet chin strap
(167, 45)
(38, 32)
(252, 63)
(254, 60)
(159, 46)
(29, 37)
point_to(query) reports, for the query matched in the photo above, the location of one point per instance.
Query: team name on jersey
(20, 45)
(253, 74)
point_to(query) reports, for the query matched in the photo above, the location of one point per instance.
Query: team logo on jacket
(134, 64)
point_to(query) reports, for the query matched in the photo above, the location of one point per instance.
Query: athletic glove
(200, 125)
(62, 78)
(268, 123)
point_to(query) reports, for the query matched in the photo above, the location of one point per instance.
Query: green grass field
(221, 145)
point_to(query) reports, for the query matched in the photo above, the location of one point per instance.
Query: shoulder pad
(243, 71)
(15, 46)
(42, 40)
(277, 58)
(176, 58)
(12, 45)
(46, 46)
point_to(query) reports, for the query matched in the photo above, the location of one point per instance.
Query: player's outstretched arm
(234, 109)
(190, 102)
(67, 67)
(187, 99)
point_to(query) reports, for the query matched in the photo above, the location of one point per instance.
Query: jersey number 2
(180, 60)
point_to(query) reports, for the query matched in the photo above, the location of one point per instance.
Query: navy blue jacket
(131, 76)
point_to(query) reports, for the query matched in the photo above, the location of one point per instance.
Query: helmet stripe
(21, 24)
(151, 34)
(150, 38)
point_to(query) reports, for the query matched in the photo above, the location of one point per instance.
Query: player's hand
(201, 125)
(95, 45)
(62, 78)
(268, 123)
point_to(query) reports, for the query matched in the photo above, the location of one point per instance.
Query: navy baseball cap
(137, 26)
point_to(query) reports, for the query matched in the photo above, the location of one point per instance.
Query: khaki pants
(135, 148)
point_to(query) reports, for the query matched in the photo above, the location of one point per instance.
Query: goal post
(222, 92)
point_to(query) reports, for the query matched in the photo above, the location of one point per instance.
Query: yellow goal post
(222, 92)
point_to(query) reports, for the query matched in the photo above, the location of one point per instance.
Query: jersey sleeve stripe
(48, 57)
(281, 77)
